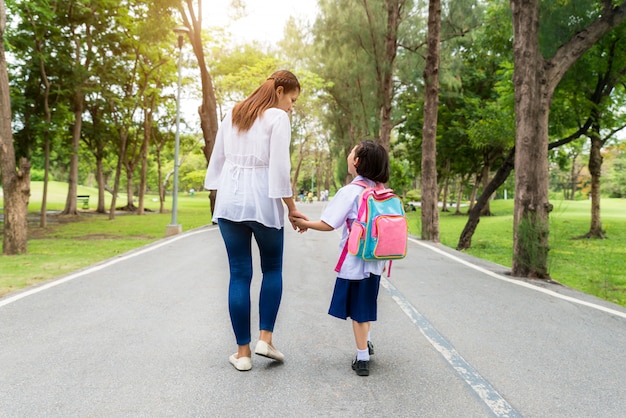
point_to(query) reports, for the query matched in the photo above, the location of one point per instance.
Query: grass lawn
(589, 265)
(66, 244)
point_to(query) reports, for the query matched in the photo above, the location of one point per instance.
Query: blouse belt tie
(236, 173)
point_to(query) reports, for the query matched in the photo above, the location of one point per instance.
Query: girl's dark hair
(373, 161)
(264, 97)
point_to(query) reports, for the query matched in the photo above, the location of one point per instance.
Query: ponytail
(264, 97)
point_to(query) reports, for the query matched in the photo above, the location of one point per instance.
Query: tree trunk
(16, 186)
(15, 180)
(472, 199)
(532, 102)
(465, 240)
(446, 191)
(595, 169)
(118, 170)
(160, 180)
(573, 176)
(143, 176)
(430, 195)
(43, 219)
(394, 12)
(208, 109)
(101, 184)
(484, 177)
(72, 180)
(446, 187)
(130, 192)
(459, 196)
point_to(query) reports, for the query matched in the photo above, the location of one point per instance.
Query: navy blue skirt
(356, 299)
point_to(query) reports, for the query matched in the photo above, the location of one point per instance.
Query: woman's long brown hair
(264, 97)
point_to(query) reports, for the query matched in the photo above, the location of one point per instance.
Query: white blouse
(251, 170)
(340, 212)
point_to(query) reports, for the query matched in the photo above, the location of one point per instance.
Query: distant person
(358, 281)
(250, 167)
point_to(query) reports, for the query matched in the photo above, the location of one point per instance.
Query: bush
(38, 174)
(413, 196)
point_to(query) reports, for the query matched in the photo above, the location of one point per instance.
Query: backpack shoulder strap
(344, 251)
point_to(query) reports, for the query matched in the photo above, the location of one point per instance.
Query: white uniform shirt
(341, 208)
(251, 170)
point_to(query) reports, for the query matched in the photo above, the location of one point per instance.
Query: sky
(265, 20)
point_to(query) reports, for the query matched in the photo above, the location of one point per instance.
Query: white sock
(363, 355)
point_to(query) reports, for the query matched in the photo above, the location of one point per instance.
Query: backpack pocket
(392, 233)
(355, 238)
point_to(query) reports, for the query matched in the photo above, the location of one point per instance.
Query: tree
(605, 68)
(430, 194)
(192, 17)
(33, 108)
(355, 47)
(15, 179)
(535, 79)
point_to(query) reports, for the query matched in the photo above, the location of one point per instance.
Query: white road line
(519, 282)
(73, 276)
(487, 393)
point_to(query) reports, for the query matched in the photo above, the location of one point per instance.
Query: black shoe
(361, 367)
(370, 347)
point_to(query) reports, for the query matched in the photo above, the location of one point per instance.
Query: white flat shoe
(243, 364)
(264, 349)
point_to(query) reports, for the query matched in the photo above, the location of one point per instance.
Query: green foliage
(615, 179)
(400, 179)
(560, 20)
(413, 196)
(36, 174)
(193, 180)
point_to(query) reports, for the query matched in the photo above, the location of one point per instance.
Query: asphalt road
(147, 334)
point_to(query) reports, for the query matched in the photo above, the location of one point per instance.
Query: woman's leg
(237, 238)
(270, 241)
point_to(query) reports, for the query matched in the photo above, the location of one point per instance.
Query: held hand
(298, 222)
(294, 217)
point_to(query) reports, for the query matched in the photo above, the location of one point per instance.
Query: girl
(356, 287)
(250, 168)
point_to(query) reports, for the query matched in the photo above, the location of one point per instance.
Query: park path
(147, 334)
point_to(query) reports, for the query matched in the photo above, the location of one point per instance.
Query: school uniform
(358, 281)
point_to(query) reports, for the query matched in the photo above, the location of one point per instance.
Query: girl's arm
(304, 224)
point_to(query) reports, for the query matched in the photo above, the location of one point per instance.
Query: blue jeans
(238, 239)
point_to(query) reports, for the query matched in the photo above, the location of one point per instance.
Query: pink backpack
(380, 230)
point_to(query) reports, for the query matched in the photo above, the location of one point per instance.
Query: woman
(250, 168)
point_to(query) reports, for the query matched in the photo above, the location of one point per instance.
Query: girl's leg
(237, 238)
(364, 296)
(270, 241)
(360, 334)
